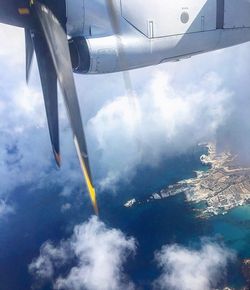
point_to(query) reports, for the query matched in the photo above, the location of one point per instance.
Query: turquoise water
(234, 227)
(38, 218)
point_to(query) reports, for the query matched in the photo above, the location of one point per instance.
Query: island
(223, 186)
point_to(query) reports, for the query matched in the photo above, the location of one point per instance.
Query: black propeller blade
(49, 85)
(29, 52)
(45, 33)
(116, 27)
(53, 37)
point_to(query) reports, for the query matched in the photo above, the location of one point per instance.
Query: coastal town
(225, 185)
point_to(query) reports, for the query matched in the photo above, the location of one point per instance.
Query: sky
(177, 106)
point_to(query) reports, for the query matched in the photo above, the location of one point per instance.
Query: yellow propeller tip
(86, 175)
(92, 195)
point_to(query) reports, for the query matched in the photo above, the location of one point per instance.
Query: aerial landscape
(224, 186)
(124, 145)
(220, 187)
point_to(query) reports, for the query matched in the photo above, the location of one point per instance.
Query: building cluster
(223, 186)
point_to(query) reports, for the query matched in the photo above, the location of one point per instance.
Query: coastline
(224, 186)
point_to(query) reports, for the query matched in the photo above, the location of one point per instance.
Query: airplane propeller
(45, 34)
(29, 52)
(132, 98)
(116, 27)
(48, 39)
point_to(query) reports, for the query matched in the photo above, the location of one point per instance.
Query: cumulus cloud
(159, 123)
(99, 254)
(96, 256)
(178, 105)
(186, 269)
(164, 121)
(25, 150)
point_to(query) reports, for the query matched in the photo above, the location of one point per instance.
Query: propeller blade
(113, 13)
(29, 52)
(114, 21)
(116, 27)
(49, 85)
(58, 46)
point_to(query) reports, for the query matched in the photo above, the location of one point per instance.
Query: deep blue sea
(39, 218)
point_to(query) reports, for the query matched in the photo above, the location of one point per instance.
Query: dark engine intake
(79, 53)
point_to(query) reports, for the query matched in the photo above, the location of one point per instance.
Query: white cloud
(5, 209)
(13, 38)
(165, 121)
(50, 257)
(97, 255)
(65, 207)
(100, 254)
(165, 116)
(25, 152)
(177, 107)
(186, 269)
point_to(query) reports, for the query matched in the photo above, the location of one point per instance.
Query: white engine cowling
(161, 32)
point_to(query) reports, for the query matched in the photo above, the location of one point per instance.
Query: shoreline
(222, 187)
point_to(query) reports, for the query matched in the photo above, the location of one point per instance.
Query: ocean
(38, 218)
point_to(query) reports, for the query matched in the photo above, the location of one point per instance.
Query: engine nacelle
(159, 35)
(79, 53)
(110, 54)
(94, 55)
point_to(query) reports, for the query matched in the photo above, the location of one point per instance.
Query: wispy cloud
(5, 209)
(98, 254)
(51, 257)
(187, 269)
